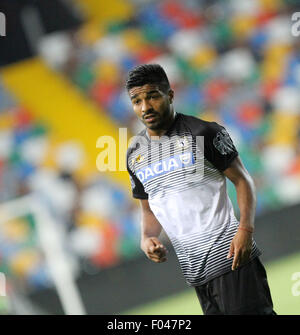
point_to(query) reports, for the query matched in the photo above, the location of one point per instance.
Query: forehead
(147, 88)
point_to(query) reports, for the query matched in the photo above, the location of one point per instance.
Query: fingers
(236, 261)
(154, 250)
(158, 260)
(231, 251)
(240, 248)
(157, 253)
(160, 249)
(240, 258)
(155, 241)
(157, 248)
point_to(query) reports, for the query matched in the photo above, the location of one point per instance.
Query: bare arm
(150, 225)
(245, 189)
(150, 231)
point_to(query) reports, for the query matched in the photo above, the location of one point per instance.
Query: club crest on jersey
(182, 142)
(138, 159)
(164, 166)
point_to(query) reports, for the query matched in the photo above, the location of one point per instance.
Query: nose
(146, 106)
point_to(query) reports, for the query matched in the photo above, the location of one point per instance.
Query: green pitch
(285, 293)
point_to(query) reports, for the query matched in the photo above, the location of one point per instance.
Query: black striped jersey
(181, 175)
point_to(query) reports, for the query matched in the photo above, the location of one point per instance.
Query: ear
(171, 96)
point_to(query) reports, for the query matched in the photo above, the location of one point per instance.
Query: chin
(154, 126)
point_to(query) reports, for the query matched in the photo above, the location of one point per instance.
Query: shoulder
(136, 142)
(199, 127)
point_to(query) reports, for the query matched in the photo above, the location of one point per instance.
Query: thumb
(156, 244)
(152, 243)
(155, 241)
(231, 251)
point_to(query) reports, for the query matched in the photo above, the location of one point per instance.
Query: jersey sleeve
(218, 147)
(138, 191)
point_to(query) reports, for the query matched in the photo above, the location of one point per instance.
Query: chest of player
(167, 164)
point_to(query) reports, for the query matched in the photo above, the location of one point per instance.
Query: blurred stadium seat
(234, 62)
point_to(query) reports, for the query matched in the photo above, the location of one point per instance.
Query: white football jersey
(181, 176)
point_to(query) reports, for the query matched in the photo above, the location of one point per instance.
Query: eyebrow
(151, 92)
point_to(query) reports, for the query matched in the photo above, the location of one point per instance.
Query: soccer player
(178, 167)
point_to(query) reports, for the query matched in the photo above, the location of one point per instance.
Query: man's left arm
(241, 244)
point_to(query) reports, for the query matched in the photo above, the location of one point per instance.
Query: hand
(154, 249)
(240, 247)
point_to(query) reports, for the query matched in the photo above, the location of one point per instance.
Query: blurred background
(69, 233)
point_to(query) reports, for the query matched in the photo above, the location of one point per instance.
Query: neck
(160, 132)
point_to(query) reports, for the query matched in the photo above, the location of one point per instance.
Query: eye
(136, 102)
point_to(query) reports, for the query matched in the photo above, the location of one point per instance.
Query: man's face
(151, 105)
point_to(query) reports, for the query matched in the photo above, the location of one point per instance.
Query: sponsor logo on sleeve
(223, 143)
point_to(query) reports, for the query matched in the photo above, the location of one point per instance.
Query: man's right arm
(150, 231)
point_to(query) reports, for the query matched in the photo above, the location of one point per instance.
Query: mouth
(150, 118)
